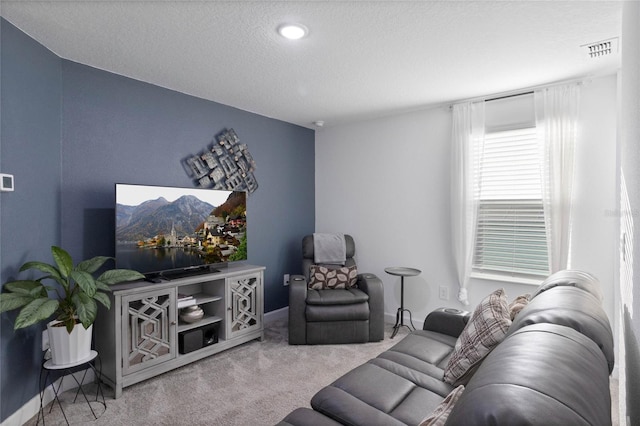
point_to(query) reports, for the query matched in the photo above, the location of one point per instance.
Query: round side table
(48, 367)
(402, 272)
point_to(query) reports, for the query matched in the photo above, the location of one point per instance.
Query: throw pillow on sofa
(486, 328)
(324, 277)
(439, 416)
(518, 304)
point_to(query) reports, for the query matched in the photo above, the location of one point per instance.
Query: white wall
(595, 221)
(628, 355)
(386, 182)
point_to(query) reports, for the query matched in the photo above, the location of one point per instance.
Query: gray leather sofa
(333, 316)
(552, 368)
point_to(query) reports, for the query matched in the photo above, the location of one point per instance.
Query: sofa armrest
(447, 321)
(372, 285)
(297, 306)
(543, 374)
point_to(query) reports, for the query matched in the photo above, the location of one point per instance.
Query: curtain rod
(530, 92)
(523, 91)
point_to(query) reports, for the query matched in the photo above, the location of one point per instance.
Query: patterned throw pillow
(322, 277)
(486, 328)
(440, 415)
(518, 304)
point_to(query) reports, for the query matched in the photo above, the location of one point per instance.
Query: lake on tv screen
(144, 260)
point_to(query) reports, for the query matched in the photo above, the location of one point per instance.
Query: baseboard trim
(283, 313)
(278, 314)
(391, 319)
(31, 408)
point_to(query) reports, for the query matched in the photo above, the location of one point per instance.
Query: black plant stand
(48, 368)
(402, 272)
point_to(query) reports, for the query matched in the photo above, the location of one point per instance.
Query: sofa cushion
(426, 348)
(419, 378)
(328, 277)
(416, 364)
(571, 307)
(442, 411)
(486, 328)
(571, 278)
(372, 395)
(338, 296)
(543, 374)
(347, 409)
(336, 332)
(327, 313)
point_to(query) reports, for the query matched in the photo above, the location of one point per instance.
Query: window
(511, 238)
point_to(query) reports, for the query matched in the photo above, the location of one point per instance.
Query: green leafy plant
(77, 293)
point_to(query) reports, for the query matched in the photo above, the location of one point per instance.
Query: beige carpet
(257, 383)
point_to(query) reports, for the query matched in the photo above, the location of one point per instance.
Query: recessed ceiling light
(292, 31)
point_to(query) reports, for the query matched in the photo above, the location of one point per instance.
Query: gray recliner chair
(335, 315)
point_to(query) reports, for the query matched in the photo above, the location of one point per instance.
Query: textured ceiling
(360, 60)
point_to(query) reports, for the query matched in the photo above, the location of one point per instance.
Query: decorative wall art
(227, 165)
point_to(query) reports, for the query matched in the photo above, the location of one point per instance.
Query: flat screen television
(171, 231)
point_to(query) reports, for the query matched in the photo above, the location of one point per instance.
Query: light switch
(6, 182)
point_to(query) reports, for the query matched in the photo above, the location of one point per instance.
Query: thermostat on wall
(6, 182)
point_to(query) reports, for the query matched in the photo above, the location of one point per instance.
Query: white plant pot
(69, 348)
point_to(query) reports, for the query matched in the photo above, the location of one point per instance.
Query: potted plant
(74, 301)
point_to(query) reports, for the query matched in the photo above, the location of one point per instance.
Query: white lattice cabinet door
(244, 305)
(148, 329)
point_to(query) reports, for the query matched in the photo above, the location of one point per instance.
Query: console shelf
(183, 326)
(202, 298)
(141, 336)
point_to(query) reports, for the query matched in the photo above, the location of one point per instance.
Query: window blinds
(510, 236)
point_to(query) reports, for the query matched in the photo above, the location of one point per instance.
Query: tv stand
(142, 335)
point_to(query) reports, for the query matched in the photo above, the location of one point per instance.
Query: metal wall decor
(228, 165)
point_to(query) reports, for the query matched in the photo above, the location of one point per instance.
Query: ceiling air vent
(602, 48)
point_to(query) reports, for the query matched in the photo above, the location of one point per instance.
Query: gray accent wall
(29, 217)
(70, 132)
(119, 130)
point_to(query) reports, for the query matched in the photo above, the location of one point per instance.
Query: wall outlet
(444, 292)
(286, 279)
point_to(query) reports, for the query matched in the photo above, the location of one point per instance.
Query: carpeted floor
(257, 383)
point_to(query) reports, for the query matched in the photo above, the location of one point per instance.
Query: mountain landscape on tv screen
(158, 235)
(158, 217)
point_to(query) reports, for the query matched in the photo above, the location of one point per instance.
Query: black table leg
(399, 317)
(65, 372)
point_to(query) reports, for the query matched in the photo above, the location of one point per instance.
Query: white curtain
(467, 139)
(557, 128)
